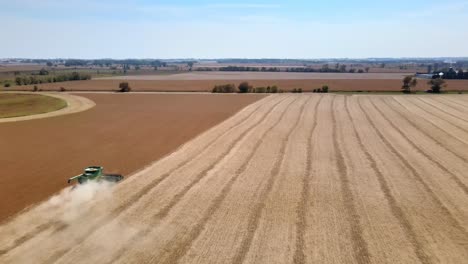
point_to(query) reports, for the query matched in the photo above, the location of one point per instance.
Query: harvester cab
(95, 173)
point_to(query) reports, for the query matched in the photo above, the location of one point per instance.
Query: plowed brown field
(123, 132)
(207, 85)
(289, 179)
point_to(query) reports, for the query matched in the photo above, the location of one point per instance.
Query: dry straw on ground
(290, 179)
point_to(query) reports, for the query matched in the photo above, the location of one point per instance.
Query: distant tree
(190, 65)
(429, 68)
(7, 85)
(352, 70)
(360, 71)
(450, 74)
(124, 87)
(325, 89)
(437, 85)
(225, 88)
(382, 65)
(274, 89)
(408, 83)
(367, 69)
(43, 72)
(460, 74)
(49, 64)
(342, 68)
(325, 68)
(244, 87)
(260, 90)
(19, 81)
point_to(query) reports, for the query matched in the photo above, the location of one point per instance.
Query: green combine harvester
(95, 173)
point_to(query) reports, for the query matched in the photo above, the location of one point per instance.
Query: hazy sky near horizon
(233, 29)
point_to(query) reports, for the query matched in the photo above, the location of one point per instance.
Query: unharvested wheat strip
(432, 150)
(449, 128)
(444, 100)
(450, 194)
(447, 141)
(440, 236)
(94, 222)
(148, 223)
(227, 226)
(177, 181)
(328, 235)
(445, 109)
(26, 224)
(378, 219)
(276, 223)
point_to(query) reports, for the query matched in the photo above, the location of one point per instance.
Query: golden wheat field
(289, 179)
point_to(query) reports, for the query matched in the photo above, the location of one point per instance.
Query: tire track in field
(465, 106)
(361, 250)
(254, 218)
(229, 149)
(396, 210)
(416, 175)
(419, 150)
(301, 225)
(444, 119)
(454, 105)
(178, 196)
(435, 125)
(60, 226)
(443, 110)
(183, 246)
(19, 241)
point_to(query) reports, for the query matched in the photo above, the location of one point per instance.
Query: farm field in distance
(311, 178)
(205, 81)
(123, 132)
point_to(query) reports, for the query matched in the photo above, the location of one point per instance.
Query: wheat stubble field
(289, 179)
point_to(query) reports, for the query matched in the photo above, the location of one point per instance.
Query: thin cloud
(243, 6)
(435, 10)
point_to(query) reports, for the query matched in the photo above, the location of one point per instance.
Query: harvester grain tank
(95, 173)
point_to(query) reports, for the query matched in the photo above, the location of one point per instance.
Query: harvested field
(207, 85)
(289, 179)
(123, 133)
(192, 76)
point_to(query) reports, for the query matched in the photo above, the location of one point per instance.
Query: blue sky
(228, 29)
